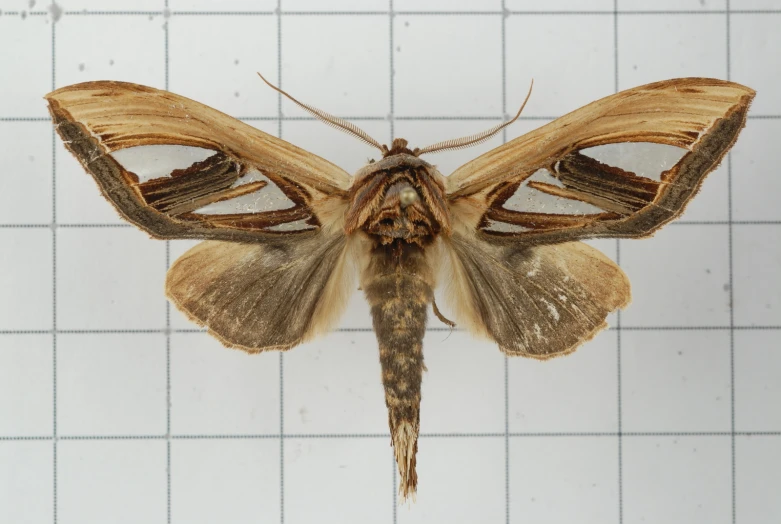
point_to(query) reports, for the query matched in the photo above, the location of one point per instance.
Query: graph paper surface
(114, 408)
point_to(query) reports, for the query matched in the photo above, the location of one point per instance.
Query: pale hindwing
(538, 301)
(264, 296)
(180, 169)
(556, 185)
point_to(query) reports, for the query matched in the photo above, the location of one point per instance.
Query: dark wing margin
(701, 116)
(96, 119)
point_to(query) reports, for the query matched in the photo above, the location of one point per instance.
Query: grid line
(54, 285)
(454, 435)
(731, 291)
(507, 508)
(167, 68)
(281, 353)
(605, 12)
(619, 404)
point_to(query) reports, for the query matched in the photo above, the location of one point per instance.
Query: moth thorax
(402, 214)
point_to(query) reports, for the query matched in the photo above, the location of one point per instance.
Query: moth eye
(387, 222)
(644, 159)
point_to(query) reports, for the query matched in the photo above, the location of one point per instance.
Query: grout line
(54, 284)
(731, 286)
(506, 361)
(167, 64)
(340, 436)
(619, 384)
(278, 13)
(607, 12)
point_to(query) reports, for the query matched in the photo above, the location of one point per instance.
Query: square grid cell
(220, 427)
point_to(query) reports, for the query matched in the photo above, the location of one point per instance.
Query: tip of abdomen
(405, 445)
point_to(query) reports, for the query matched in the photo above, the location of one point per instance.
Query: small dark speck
(111, 62)
(24, 15)
(680, 352)
(726, 287)
(236, 94)
(406, 23)
(151, 17)
(31, 158)
(398, 48)
(534, 499)
(166, 13)
(634, 67)
(31, 3)
(236, 61)
(707, 271)
(82, 67)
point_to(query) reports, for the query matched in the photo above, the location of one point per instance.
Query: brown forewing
(97, 118)
(701, 116)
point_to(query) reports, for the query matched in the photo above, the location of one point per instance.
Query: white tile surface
(680, 277)
(26, 373)
(110, 384)
(677, 479)
(433, 54)
(757, 381)
(109, 278)
(225, 410)
(658, 47)
(322, 474)
(563, 479)
(667, 378)
(225, 480)
(218, 391)
(26, 487)
(121, 481)
(226, 49)
(26, 279)
(27, 147)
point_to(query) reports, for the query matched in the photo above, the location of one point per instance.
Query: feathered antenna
(331, 120)
(471, 140)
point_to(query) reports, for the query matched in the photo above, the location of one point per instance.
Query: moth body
(398, 203)
(398, 284)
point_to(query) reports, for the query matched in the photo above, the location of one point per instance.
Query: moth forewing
(499, 232)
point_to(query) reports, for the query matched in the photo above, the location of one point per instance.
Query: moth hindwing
(286, 231)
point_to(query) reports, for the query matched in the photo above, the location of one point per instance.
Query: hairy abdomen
(398, 285)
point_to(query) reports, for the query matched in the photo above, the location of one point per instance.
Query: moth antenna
(471, 140)
(333, 121)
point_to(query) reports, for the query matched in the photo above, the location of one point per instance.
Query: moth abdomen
(398, 287)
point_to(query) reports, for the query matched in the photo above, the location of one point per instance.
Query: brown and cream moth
(287, 231)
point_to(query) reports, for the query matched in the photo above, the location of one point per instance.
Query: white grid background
(113, 408)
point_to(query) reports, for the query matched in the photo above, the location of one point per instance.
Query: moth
(286, 231)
